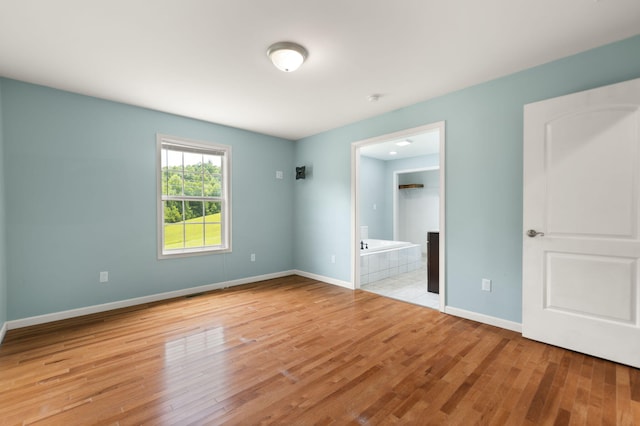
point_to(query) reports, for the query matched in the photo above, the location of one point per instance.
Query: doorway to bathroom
(397, 201)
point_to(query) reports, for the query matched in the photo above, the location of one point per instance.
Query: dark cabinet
(433, 262)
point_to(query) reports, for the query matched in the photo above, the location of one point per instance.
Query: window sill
(191, 252)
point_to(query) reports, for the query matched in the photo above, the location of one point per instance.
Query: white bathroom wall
(418, 209)
(392, 168)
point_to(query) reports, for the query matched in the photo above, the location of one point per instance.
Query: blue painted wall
(322, 206)
(82, 199)
(483, 176)
(3, 227)
(374, 191)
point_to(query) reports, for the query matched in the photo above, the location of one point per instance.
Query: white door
(581, 194)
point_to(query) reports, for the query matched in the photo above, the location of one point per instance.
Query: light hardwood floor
(296, 351)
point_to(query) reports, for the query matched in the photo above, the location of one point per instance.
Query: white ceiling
(206, 58)
(422, 144)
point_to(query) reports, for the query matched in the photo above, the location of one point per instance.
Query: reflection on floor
(409, 287)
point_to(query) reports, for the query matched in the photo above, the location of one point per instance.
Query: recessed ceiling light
(287, 56)
(373, 97)
(404, 143)
(393, 153)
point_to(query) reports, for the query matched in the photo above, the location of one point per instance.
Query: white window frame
(225, 199)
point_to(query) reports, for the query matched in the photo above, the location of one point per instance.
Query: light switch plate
(486, 284)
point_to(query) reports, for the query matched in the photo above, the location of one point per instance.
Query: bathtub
(384, 259)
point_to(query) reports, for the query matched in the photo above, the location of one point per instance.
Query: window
(193, 197)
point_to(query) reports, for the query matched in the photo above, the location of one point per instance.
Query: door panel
(607, 285)
(581, 192)
(579, 197)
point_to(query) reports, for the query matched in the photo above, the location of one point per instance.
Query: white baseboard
(324, 279)
(485, 319)
(56, 316)
(3, 331)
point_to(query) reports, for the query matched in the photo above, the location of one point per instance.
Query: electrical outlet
(279, 174)
(104, 276)
(333, 258)
(486, 284)
(253, 257)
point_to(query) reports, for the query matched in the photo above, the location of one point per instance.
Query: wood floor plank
(297, 351)
(596, 395)
(623, 397)
(580, 407)
(542, 392)
(634, 382)
(551, 409)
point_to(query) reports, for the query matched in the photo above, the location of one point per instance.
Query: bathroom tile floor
(409, 287)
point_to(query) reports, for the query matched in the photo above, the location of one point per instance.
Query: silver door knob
(532, 233)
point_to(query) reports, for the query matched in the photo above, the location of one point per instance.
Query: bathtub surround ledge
(381, 262)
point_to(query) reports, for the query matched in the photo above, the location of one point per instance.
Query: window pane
(165, 181)
(174, 236)
(212, 185)
(193, 184)
(212, 234)
(163, 159)
(192, 161)
(195, 235)
(174, 183)
(173, 211)
(174, 159)
(212, 163)
(212, 211)
(193, 211)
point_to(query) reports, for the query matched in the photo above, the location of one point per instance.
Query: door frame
(355, 198)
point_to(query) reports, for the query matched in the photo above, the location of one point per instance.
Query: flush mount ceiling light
(287, 56)
(393, 153)
(403, 143)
